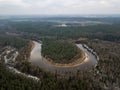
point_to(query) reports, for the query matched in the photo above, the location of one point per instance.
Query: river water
(36, 59)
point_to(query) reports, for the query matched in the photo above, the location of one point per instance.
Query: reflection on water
(36, 59)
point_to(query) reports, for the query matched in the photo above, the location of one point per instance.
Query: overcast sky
(58, 7)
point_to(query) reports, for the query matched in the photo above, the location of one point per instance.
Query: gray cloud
(55, 7)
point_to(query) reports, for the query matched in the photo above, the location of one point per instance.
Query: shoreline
(32, 45)
(72, 64)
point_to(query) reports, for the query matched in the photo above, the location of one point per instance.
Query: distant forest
(45, 28)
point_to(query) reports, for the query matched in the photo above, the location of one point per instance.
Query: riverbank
(9, 60)
(73, 64)
(32, 45)
(84, 58)
(36, 59)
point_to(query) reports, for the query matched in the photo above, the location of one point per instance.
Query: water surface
(37, 60)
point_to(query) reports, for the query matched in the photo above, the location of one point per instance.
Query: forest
(104, 39)
(11, 81)
(12, 41)
(42, 27)
(59, 51)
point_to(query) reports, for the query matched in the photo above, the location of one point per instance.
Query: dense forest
(12, 41)
(108, 67)
(11, 81)
(59, 51)
(38, 28)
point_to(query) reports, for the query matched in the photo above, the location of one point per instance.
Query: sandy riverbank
(32, 45)
(72, 64)
(76, 62)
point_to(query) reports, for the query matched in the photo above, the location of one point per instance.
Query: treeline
(24, 52)
(12, 81)
(104, 32)
(107, 70)
(12, 41)
(58, 51)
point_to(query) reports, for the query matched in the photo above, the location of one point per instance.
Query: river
(36, 59)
